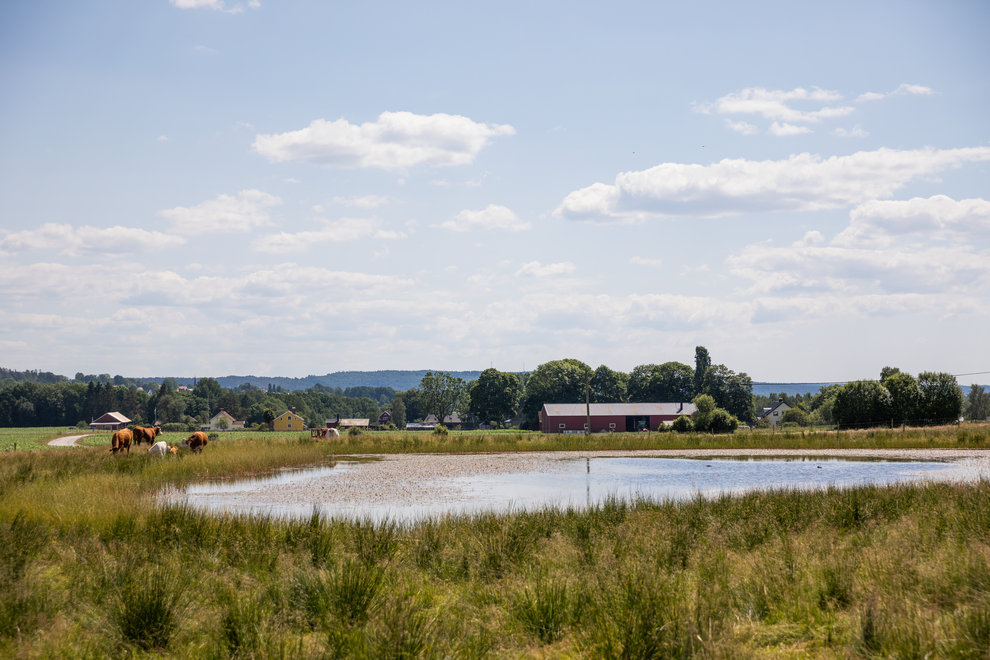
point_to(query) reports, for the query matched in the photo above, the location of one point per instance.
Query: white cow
(333, 433)
(161, 448)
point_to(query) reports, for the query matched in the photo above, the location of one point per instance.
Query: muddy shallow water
(408, 488)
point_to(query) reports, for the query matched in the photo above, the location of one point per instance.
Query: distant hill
(397, 380)
(765, 389)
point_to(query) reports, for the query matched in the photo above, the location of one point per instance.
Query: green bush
(440, 430)
(682, 424)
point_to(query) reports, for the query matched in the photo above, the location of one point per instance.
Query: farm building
(573, 417)
(348, 423)
(111, 421)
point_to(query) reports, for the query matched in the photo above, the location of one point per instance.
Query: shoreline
(417, 480)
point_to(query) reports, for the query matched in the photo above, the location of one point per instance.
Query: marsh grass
(85, 547)
(146, 607)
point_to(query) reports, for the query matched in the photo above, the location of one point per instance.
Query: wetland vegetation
(92, 567)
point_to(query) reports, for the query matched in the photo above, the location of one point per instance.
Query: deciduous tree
(441, 393)
(494, 396)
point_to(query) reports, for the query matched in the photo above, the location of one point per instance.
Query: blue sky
(207, 187)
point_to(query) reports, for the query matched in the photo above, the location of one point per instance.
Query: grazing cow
(145, 434)
(121, 440)
(161, 448)
(196, 441)
(332, 433)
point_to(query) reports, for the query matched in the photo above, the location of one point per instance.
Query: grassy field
(90, 566)
(964, 436)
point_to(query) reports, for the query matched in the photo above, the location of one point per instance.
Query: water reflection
(571, 482)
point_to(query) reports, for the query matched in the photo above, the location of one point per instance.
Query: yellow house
(289, 421)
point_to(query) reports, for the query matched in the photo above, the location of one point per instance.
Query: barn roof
(604, 409)
(112, 418)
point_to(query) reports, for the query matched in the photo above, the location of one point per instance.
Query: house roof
(777, 404)
(112, 418)
(223, 413)
(603, 409)
(288, 412)
(354, 421)
(449, 419)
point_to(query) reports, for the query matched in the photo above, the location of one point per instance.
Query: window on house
(611, 426)
(561, 426)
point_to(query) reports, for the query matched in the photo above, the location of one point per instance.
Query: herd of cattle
(123, 438)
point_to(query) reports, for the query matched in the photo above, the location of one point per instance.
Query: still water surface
(570, 482)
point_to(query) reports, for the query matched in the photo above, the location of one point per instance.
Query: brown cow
(196, 441)
(121, 440)
(146, 434)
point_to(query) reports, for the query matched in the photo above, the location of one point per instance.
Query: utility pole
(587, 402)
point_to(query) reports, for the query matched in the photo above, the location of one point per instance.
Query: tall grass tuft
(147, 605)
(375, 541)
(348, 592)
(242, 626)
(544, 610)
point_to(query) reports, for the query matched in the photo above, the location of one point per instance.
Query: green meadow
(92, 566)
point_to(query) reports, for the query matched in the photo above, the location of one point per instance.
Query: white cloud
(536, 269)
(365, 202)
(902, 90)
(72, 241)
(743, 127)
(339, 231)
(778, 105)
(225, 214)
(938, 218)
(490, 217)
(397, 140)
(912, 252)
(646, 261)
(784, 129)
(801, 182)
(216, 5)
(855, 132)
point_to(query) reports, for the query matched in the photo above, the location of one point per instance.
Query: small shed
(111, 421)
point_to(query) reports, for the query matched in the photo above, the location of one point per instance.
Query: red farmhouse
(572, 417)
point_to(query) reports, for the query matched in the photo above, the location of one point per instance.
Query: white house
(774, 412)
(228, 423)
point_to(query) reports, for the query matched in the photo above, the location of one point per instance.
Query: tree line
(69, 403)
(895, 399)
(496, 396)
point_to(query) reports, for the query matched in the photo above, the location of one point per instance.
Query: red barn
(573, 417)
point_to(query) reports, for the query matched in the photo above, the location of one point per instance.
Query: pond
(414, 488)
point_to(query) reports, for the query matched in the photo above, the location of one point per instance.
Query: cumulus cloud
(646, 261)
(395, 141)
(536, 269)
(338, 231)
(919, 247)
(938, 218)
(364, 202)
(216, 5)
(783, 129)
(742, 127)
(902, 90)
(778, 105)
(492, 216)
(71, 241)
(801, 182)
(225, 214)
(854, 132)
